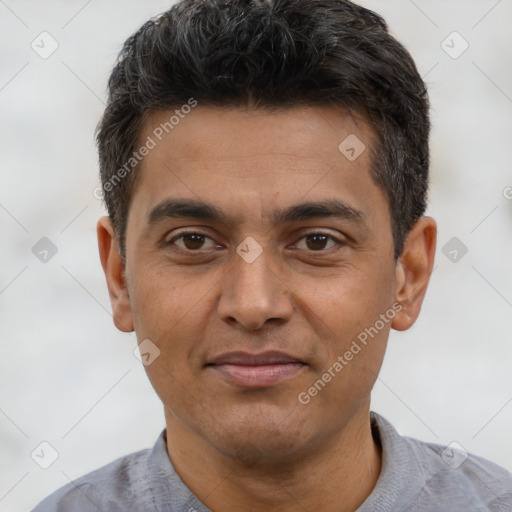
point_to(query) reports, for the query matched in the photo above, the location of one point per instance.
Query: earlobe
(113, 268)
(413, 270)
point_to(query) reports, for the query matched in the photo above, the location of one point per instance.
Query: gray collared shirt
(415, 476)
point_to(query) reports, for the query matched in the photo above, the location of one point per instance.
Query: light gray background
(69, 378)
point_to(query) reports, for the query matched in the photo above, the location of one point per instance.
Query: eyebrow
(311, 210)
(195, 209)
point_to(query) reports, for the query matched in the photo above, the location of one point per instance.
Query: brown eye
(317, 242)
(193, 242)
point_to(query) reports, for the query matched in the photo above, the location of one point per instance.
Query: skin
(256, 449)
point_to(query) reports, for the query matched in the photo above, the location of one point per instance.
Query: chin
(260, 440)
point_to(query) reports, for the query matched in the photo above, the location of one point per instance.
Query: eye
(317, 242)
(191, 241)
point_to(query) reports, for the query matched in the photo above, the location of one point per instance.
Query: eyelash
(200, 252)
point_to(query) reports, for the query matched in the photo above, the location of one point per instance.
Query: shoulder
(420, 476)
(113, 484)
(456, 475)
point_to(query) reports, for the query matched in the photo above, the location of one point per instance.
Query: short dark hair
(272, 53)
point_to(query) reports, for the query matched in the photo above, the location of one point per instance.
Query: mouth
(256, 370)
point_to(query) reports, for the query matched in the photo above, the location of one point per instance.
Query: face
(257, 254)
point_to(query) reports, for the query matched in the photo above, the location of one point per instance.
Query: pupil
(319, 241)
(193, 241)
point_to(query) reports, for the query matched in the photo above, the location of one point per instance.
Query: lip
(256, 370)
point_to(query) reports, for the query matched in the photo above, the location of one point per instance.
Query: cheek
(171, 313)
(172, 310)
(164, 302)
(353, 350)
(346, 304)
(346, 313)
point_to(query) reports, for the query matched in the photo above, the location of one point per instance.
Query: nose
(254, 294)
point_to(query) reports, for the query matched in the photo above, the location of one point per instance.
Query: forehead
(313, 133)
(257, 160)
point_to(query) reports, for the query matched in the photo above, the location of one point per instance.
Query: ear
(413, 271)
(114, 272)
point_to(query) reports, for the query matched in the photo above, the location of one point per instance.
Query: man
(265, 169)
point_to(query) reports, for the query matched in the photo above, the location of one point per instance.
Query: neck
(336, 476)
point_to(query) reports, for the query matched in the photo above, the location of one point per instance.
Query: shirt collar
(401, 479)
